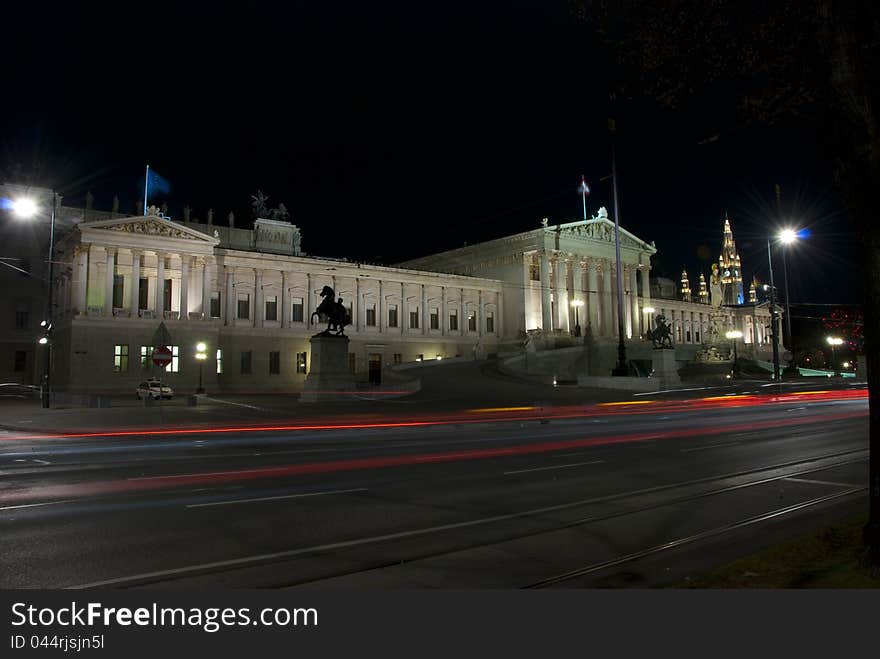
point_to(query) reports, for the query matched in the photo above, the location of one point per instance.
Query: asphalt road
(603, 495)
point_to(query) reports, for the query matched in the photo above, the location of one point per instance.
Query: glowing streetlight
(788, 236)
(201, 356)
(27, 208)
(734, 335)
(576, 305)
(834, 341)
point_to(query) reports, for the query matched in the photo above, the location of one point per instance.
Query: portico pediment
(603, 229)
(140, 230)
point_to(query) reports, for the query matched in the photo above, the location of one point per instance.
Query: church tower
(753, 291)
(704, 290)
(730, 267)
(685, 287)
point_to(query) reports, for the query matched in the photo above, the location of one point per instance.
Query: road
(641, 493)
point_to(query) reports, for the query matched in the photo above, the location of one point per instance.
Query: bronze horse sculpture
(334, 312)
(661, 335)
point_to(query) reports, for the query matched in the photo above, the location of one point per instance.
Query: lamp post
(201, 356)
(787, 237)
(834, 341)
(734, 335)
(774, 319)
(577, 304)
(27, 208)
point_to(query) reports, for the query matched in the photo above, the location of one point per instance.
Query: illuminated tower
(704, 290)
(730, 267)
(753, 291)
(685, 287)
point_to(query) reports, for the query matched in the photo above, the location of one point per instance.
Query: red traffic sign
(161, 356)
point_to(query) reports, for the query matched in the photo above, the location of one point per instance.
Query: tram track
(753, 478)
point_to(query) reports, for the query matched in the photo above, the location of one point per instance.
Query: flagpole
(146, 187)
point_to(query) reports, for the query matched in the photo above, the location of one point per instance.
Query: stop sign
(161, 356)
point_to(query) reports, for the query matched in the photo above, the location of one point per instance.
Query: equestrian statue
(661, 335)
(334, 312)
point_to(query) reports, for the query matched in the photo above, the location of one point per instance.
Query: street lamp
(577, 304)
(734, 335)
(201, 355)
(787, 237)
(774, 319)
(834, 341)
(27, 208)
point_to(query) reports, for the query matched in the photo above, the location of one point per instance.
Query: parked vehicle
(154, 389)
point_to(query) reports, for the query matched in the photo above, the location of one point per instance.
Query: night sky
(392, 130)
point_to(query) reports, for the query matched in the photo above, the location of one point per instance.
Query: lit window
(219, 360)
(174, 366)
(301, 362)
(146, 356)
(398, 358)
(472, 322)
(120, 358)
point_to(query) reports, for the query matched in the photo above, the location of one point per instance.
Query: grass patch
(830, 558)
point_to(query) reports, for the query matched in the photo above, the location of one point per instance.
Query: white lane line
(576, 464)
(815, 482)
(703, 448)
(35, 505)
(284, 496)
(290, 553)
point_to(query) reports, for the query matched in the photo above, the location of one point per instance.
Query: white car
(154, 389)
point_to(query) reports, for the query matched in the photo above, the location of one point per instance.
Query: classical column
(356, 305)
(81, 279)
(577, 284)
(644, 272)
(634, 304)
(480, 312)
(559, 293)
(380, 309)
(285, 300)
(184, 286)
(443, 319)
(230, 295)
(499, 312)
(159, 293)
(462, 313)
(307, 313)
(108, 281)
(608, 316)
(546, 306)
(206, 289)
(259, 307)
(423, 324)
(593, 297)
(135, 281)
(403, 316)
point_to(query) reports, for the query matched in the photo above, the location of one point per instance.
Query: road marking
(249, 560)
(815, 482)
(703, 448)
(35, 505)
(43, 462)
(285, 496)
(576, 464)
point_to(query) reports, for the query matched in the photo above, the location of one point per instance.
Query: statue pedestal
(330, 377)
(665, 368)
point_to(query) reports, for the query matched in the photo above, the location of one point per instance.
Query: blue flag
(156, 185)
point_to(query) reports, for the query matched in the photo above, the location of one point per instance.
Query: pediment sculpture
(152, 228)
